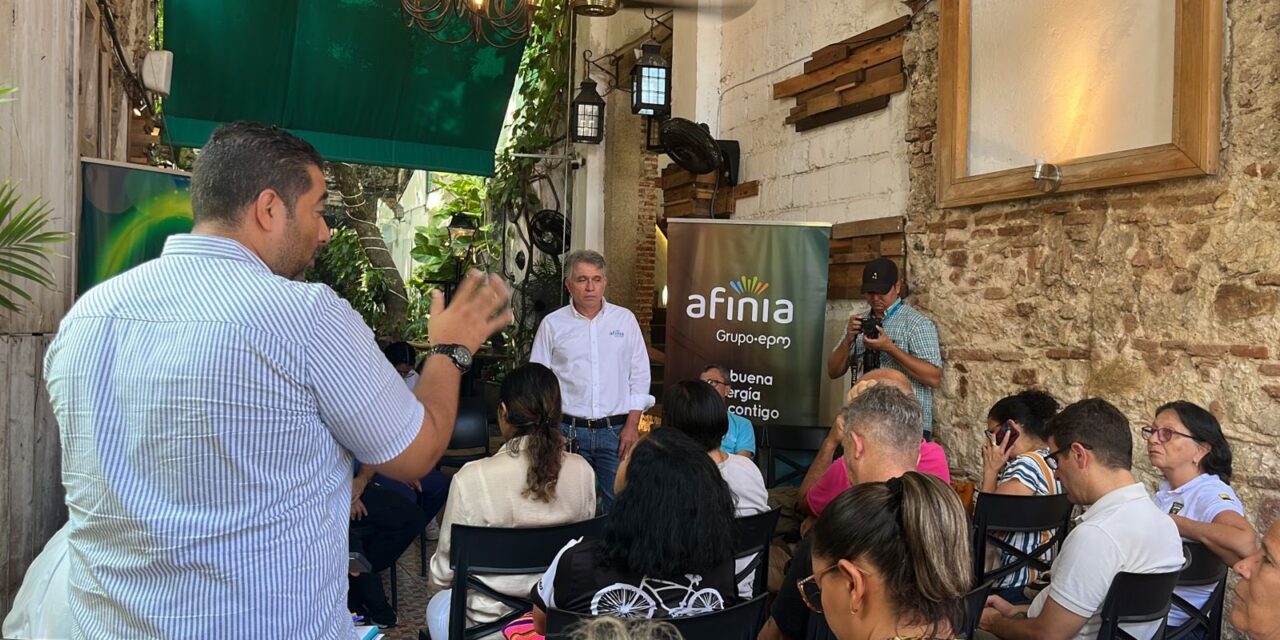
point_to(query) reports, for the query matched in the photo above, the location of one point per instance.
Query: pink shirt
(933, 461)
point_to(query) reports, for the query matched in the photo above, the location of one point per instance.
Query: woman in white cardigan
(530, 482)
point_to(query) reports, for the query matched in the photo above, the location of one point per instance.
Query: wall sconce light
(651, 81)
(1048, 176)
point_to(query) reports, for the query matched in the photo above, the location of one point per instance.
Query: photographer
(894, 335)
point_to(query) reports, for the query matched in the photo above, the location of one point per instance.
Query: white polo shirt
(1123, 531)
(1202, 499)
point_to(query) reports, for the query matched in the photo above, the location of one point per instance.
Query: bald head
(890, 377)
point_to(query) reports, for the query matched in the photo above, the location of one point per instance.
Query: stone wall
(1141, 295)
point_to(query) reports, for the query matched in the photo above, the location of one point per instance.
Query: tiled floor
(413, 594)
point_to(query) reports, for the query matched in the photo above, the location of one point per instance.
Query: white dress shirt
(602, 362)
(209, 410)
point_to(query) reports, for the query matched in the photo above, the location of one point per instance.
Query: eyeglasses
(1052, 458)
(716, 383)
(811, 589)
(1165, 434)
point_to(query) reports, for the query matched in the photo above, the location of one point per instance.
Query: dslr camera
(871, 327)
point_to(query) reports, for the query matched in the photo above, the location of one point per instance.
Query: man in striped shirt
(210, 406)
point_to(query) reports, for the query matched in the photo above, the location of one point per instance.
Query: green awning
(347, 75)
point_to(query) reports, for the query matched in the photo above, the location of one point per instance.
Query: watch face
(463, 356)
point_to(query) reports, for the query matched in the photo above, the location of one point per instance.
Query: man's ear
(268, 210)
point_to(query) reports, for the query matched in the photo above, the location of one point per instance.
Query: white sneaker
(433, 530)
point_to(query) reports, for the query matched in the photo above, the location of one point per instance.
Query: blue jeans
(600, 448)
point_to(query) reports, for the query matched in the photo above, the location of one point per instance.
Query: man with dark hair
(210, 407)
(741, 437)
(1123, 530)
(892, 335)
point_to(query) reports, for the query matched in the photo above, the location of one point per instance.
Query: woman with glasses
(1016, 462)
(1186, 444)
(891, 560)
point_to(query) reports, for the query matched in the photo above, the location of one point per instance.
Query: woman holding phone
(1015, 464)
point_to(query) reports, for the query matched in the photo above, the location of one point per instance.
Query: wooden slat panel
(6, 364)
(864, 57)
(688, 192)
(747, 190)
(826, 55)
(39, 145)
(860, 228)
(842, 113)
(20, 528)
(859, 94)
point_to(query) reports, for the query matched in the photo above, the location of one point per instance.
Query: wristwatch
(460, 355)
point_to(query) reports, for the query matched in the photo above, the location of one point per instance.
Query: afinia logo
(750, 307)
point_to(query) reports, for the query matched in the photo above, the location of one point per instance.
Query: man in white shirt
(1123, 531)
(210, 406)
(599, 355)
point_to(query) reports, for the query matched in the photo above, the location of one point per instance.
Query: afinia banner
(126, 213)
(750, 296)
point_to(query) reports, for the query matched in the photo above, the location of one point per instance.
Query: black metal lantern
(588, 114)
(651, 82)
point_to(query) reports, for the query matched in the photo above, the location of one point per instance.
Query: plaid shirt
(915, 334)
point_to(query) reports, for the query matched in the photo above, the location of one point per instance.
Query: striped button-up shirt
(209, 412)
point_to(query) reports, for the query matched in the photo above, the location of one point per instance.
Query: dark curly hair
(1205, 428)
(695, 408)
(675, 514)
(1031, 409)
(531, 394)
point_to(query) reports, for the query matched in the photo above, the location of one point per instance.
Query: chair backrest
(486, 550)
(739, 622)
(752, 537)
(974, 602)
(1135, 598)
(1001, 513)
(780, 439)
(1203, 567)
(471, 429)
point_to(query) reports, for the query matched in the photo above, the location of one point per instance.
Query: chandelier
(498, 23)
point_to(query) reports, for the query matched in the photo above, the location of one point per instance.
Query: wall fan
(691, 146)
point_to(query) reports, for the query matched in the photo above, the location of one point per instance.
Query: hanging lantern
(651, 82)
(588, 114)
(594, 8)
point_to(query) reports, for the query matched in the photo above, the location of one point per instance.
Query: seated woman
(667, 548)
(695, 409)
(891, 560)
(1185, 443)
(1014, 464)
(1254, 611)
(530, 482)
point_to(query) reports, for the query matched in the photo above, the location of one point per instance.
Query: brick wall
(1141, 295)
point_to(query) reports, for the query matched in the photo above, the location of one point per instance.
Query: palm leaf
(24, 245)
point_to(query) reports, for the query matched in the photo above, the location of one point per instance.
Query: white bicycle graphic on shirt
(629, 601)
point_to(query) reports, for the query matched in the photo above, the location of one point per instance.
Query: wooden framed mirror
(1108, 93)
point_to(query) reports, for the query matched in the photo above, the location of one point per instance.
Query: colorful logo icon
(748, 286)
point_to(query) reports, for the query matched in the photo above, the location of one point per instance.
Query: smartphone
(359, 563)
(1006, 435)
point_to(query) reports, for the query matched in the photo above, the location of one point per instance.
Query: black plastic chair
(974, 602)
(493, 551)
(783, 439)
(1203, 568)
(752, 537)
(996, 513)
(1135, 598)
(739, 622)
(470, 433)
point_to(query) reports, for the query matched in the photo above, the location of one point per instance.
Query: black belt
(598, 423)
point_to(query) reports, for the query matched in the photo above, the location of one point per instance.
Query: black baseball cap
(879, 276)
